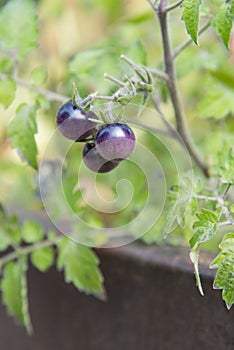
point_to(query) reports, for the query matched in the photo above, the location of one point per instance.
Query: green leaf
(21, 131)
(4, 241)
(32, 232)
(80, 266)
(205, 227)
(87, 64)
(162, 90)
(5, 63)
(179, 200)
(137, 18)
(10, 231)
(41, 102)
(226, 171)
(7, 91)
(14, 291)
(222, 154)
(194, 256)
(190, 16)
(39, 75)
(224, 262)
(223, 22)
(112, 9)
(51, 235)
(231, 208)
(137, 53)
(193, 205)
(217, 102)
(224, 74)
(43, 258)
(18, 27)
(85, 61)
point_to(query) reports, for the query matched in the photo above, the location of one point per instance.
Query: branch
(147, 127)
(27, 250)
(170, 128)
(173, 89)
(158, 74)
(225, 223)
(153, 4)
(183, 46)
(50, 95)
(221, 202)
(173, 6)
(227, 190)
(114, 80)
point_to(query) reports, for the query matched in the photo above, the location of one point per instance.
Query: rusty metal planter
(153, 304)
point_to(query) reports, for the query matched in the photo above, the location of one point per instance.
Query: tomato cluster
(105, 147)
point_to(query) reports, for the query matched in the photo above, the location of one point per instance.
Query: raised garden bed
(152, 304)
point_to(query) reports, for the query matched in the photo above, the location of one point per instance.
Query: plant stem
(27, 250)
(139, 70)
(152, 129)
(183, 46)
(173, 90)
(220, 201)
(114, 80)
(50, 95)
(226, 190)
(173, 6)
(225, 223)
(158, 74)
(102, 98)
(171, 129)
(154, 5)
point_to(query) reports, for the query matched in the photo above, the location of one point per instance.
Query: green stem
(139, 70)
(158, 74)
(183, 46)
(225, 223)
(153, 5)
(173, 6)
(171, 129)
(50, 95)
(152, 129)
(220, 201)
(173, 89)
(27, 250)
(114, 80)
(227, 190)
(102, 98)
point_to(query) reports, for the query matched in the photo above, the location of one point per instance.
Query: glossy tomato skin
(73, 123)
(115, 141)
(95, 162)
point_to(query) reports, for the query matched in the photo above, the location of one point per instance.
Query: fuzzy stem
(171, 129)
(173, 6)
(183, 46)
(227, 190)
(221, 202)
(150, 128)
(225, 223)
(50, 95)
(173, 89)
(158, 74)
(114, 80)
(27, 250)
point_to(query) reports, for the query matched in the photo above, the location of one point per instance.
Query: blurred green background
(81, 40)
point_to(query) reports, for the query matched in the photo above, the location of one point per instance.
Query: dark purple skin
(115, 141)
(73, 123)
(95, 162)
